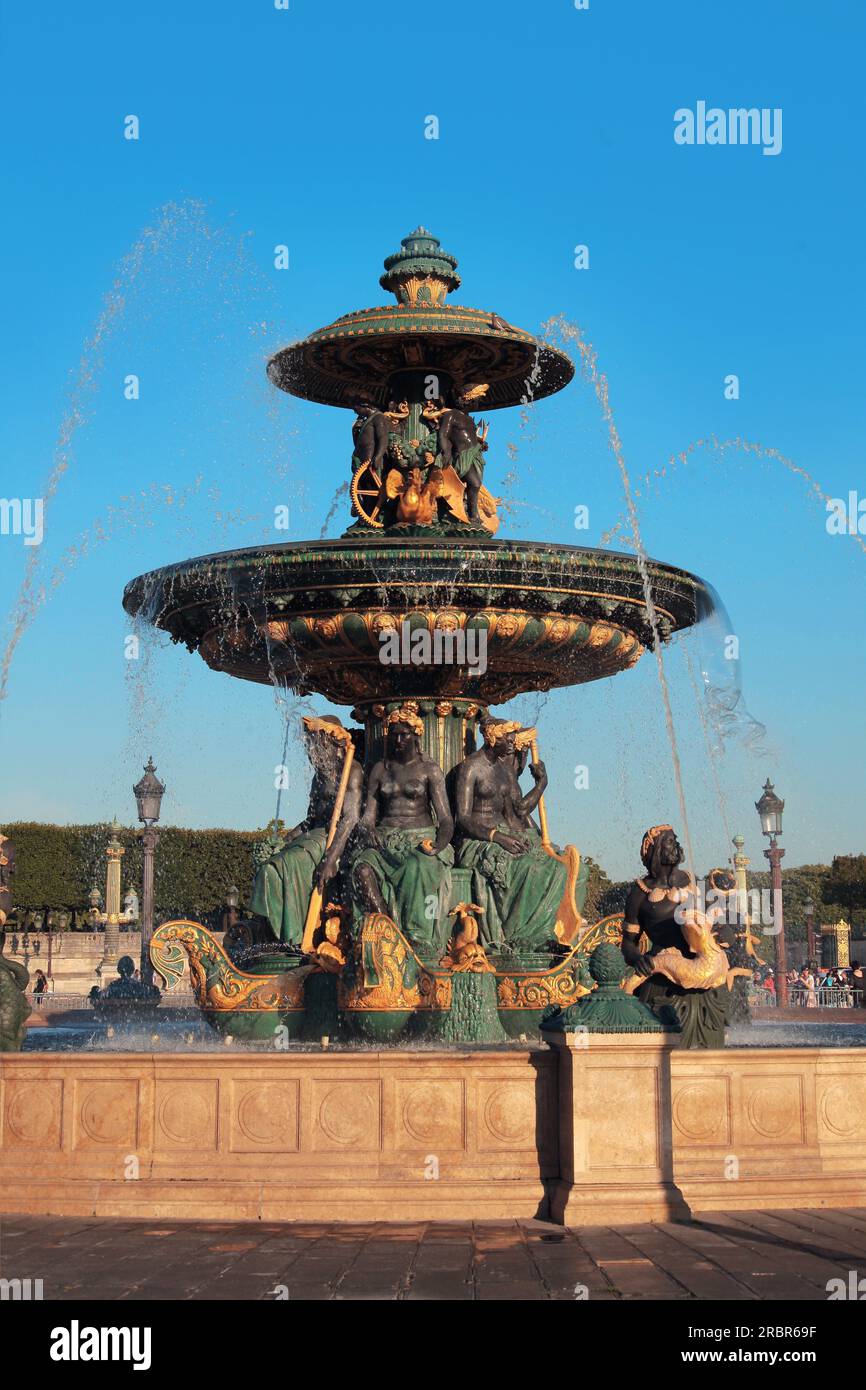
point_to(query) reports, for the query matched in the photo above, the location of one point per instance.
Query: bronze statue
(369, 436)
(7, 873)
(14, 978)
(285, 882)
(460, 448)
(684, 969)
(377, 437)
(405, 871)
(520, 885)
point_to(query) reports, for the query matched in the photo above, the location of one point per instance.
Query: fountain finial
(420, 273)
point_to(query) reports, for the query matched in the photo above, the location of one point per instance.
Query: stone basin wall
(627, 1128)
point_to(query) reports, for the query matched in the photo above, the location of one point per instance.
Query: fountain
(420, 1022)
(419, 618)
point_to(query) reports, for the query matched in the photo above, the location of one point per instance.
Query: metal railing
(825, 997)
(50, 1003)
(829, 997)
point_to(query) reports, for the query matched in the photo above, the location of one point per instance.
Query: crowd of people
(814, 986)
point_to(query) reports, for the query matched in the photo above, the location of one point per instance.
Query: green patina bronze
(14, 1009)
(282, 887)
(473, 1016)
(417, 603)
(607, 1009)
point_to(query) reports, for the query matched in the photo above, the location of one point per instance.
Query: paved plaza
(750, 1256)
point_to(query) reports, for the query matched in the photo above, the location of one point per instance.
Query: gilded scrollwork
(388, 975)
(217, 984)
(558, 986)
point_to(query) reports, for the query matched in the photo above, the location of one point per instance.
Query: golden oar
(336, 731)
(568, 919)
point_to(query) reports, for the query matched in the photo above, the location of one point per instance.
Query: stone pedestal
(615, 1151)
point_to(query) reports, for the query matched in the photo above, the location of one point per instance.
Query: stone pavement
(752, 1255)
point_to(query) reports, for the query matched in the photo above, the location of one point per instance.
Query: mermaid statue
(686, 975)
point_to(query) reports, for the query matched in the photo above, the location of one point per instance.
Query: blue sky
(306, 127)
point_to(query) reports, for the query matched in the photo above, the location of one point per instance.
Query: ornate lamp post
(148, 796)
(114, 852)
(810, 931)
(770, 808)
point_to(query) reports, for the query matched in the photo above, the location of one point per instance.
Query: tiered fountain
(423, 903)
(419, 564)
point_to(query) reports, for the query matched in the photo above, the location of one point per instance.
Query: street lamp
(148, 797)
(810, 931)
(770, 808)
(230, 913)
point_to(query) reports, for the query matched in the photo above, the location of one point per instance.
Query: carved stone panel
(346, 1115)
(264, 1116)
(186, 1114)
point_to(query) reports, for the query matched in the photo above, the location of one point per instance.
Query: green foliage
(612, 898)
(597, 885)
(847, 884)
(815, 883)
(58, 865)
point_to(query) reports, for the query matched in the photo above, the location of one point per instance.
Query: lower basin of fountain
(630, 1128)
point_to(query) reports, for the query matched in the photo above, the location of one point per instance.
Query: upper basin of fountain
(360, 354)
(312, 614)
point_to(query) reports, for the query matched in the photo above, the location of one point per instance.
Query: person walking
(810, 984)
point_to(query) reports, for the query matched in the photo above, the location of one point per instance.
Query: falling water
(30, 597)
(171, 219)
(711, 747)
(571, 332)
(721, 447)
(340, 493)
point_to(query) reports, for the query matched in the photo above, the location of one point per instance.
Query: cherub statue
(369, 436)
(372, 432)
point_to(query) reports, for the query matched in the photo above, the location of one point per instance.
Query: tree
(846, 884)
(596, 887)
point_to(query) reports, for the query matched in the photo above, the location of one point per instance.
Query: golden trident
(332, 728)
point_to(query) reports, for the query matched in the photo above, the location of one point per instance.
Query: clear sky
(305, 127)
